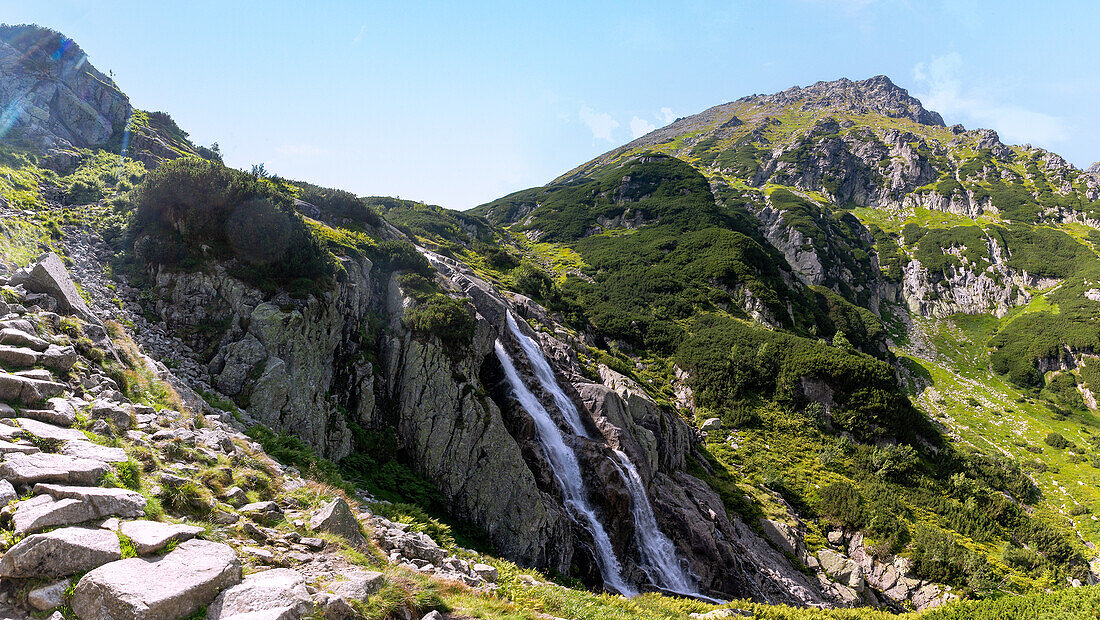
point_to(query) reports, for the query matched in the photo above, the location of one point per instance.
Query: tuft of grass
(127, 545)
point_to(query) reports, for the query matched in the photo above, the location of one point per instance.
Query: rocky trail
(120, 509)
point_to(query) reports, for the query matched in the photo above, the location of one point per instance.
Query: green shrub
(1056, 440)
(83, 192)
(338, 205)
(443, 317)
(289, 450)
(841, 504)
(532, 281)
(187, 204)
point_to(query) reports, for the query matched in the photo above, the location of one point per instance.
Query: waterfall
(567, 470)
(659, 554)
(546, 378)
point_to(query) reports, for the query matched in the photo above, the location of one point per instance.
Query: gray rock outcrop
(184, 580)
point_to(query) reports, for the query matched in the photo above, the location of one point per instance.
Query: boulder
(336, 517)
(152, 536)
(841, 568)
(357, 585)
(59, 553)
(44, 467)
(267, 513)
(711, 424)
(276, 594)
(486, 572)
(333, 607)
(61, 359)
(102, 409)
(171, 586)
(785, 537)
(49, 276)
(17, 357)
(49, 596)
(7, 493)
(26, 391)
(927, 597)
(236, 496)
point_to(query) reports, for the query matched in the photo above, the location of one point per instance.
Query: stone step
(104, 501)
(9, 431)
(55, 505)
(27, 469)
(8, 447)
(45, 430)
(87, 450)
(26, 391)
(18, 357)
(38, 374)
(172, 586)
(64, 418)
(152, 536)
(276, 593)
(14, 337)
(43, 512)
(59, 553)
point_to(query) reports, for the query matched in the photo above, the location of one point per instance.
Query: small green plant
(129, 474)
(1056, 440)
(127, 545)
(188, 498)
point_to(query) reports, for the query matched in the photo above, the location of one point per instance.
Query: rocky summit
(810, 354)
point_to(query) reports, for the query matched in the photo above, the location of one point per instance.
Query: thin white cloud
(640, 127)
(666, 115)
(600, 123)
(359, 36)
(946, 92)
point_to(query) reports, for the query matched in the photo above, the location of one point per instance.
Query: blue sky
(459, 103)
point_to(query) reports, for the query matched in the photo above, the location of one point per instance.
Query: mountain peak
(877, 94)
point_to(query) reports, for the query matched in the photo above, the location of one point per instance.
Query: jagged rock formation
(877, 95)
(55, 101)
(52, 97)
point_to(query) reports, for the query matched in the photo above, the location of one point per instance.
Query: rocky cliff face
(313, 369)
(52, 97)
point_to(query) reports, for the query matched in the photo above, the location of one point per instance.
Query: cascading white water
(546, 378)
(567, 470)
(659, 554)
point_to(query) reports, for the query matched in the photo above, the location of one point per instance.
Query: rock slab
(276, 594)
(172, 586)
(61, 552)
